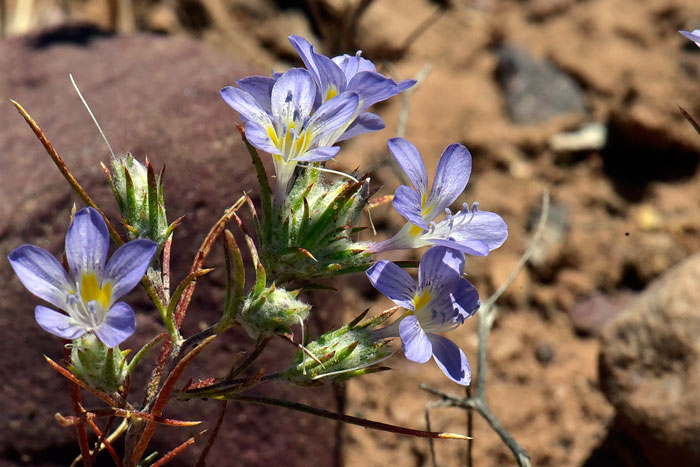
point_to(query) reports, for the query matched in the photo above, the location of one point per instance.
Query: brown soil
(630, 211)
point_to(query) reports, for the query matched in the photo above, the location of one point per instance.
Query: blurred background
(595, 356)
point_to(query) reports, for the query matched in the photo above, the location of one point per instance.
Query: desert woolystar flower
(471, 231)
(88, 293)
(441, 301)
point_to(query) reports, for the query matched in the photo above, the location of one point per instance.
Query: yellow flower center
(419, 301)
(331, 92)
(415, 231)
(90, 290)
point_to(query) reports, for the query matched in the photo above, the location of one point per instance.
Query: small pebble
(544, 354)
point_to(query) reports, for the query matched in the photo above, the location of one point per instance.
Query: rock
(536, 91)
(650, 367)
(158, 97)
(591, 315)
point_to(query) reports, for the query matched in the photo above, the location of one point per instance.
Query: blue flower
(693, 36)
(89, 291)
(441, 301)
(281, 119)
(471, 231)
(334, 76)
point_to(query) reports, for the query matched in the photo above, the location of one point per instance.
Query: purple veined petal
(451, 359)
(333, 114)
(260, 88)
(693, 36)
(293, 95)
(306, 52)
(119, 324)
(483, 226)
(372, 88)
(41, 274)
(329, 77)
(465, 299)
(411, 162)
(260, 138)
(451, 178)
(353, 64)
(472, 247)
(127, 266)
(319, 154)
(415, 342)
(393, 282)
(246, 105)
(87, 243)
(57, 323)
(406, 84)
(364, 123)
(440, 270)
(402, 240)
(407, 203)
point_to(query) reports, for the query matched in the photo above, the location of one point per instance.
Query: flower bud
(350, 351)
(313, 234)
(139, 194)
(97, 365)
(273, 310)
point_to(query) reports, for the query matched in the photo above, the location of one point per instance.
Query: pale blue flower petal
(353, 64)
(333, 114)
(407, 203)
(329, 77)
(260, 88)
(57, 323)
(415, 342)
(128, 265)
(319, 154)
(451, 359)
(406, 84)
(246, 105)
(87, 243)
(440, 270)
(372, 88)
(472, 246)
(258, 137)
(119, 324)
(410, 161)
(693, 36)
(465, 299)
(41, 274)
(293, 95)
(451, 178)
(393, 282)
(479, 228)
(364, 123)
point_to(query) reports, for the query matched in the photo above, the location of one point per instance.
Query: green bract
(97, 365)
(273, 310)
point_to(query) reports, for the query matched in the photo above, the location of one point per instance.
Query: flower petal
(260, 88)
(483, 228)
(87, 243)
(57, 323)
(411, 162)
(440, 270)
(119, 324)
(258, 137)
(364, 123)
(293, 95)
(451, 359)
(372, 87)
(393, 282)
(332, 115)
(330, 78)
(407, 203)
(353, 64)
(246, 105)
(127, 266)
(319, 154)
(451, 178)
(406, 84)
(465, 299)
(41, 274)
(415, 342)
(402, 240)
(693, 36)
